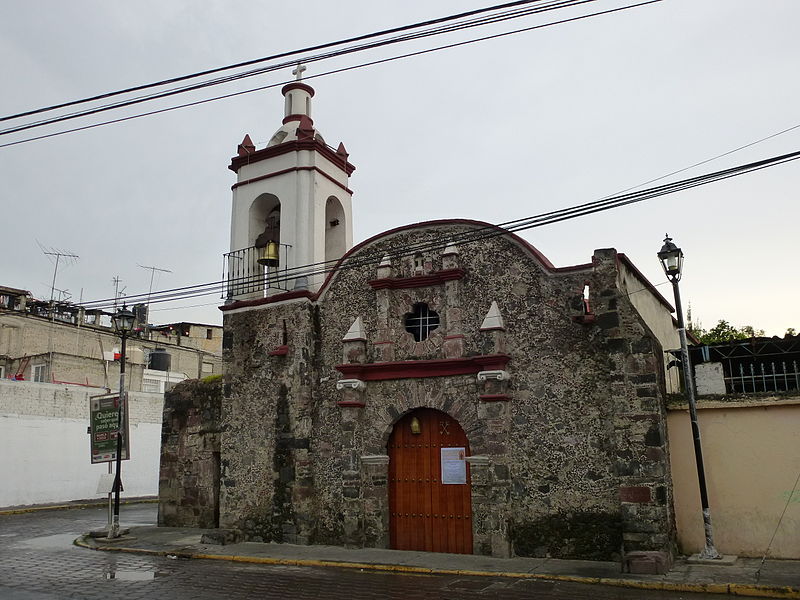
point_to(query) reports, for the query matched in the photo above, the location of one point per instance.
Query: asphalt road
(39, 562)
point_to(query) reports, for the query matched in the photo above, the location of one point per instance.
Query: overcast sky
(493, 131)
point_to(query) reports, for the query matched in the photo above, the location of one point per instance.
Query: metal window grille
(421, 322)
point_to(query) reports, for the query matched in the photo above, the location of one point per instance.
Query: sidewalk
(778, 578)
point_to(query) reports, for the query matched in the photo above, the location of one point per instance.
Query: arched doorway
(430, 506)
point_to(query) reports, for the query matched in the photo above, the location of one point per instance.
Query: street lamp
(123, 324)
(671, 258)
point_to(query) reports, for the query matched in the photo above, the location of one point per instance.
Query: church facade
(438, 387)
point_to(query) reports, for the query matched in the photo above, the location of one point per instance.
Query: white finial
(298, 71)
(356, 331)
(493, 319)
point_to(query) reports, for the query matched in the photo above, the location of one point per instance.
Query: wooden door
(426, 513)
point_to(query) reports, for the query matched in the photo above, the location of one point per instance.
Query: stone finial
(356, 331)
(246, 147)
(493, 319)
(451, 248)
(385, 267)
(342, 151)
(305, 130)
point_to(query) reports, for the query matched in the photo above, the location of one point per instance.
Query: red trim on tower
(291, 118)
(296, 85)
(237, 162)
(414, 369)
(291, 170)
(402, 283)
(269, 299)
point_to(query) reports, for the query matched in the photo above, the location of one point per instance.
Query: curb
(98, 504)
(732, 589)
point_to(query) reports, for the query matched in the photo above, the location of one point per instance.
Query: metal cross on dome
(298, 71)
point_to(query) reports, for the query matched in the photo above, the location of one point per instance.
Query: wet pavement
(38, 561)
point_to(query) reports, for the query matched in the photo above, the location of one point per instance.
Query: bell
(269, 255)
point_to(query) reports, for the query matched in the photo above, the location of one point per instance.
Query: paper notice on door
(454, 466)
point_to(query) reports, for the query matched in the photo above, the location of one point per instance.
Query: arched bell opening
(335, 229)
(265, 233)
(430, 504)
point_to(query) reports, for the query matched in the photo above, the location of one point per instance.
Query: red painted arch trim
(296, 85)
(417, 369)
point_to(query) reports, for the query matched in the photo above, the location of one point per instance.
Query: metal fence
(244, 276)
(763, 377)
(757, 365)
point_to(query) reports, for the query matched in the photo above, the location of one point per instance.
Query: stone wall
(568, 456)
(188, 487)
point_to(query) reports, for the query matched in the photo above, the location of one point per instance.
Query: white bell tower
(292, 208)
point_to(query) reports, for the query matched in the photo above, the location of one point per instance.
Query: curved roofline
(541, 258)
(545, 262)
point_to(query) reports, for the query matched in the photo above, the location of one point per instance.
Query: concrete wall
(752, 458)
(78, 352)
(45, 447)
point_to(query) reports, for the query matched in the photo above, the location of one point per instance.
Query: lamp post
(123, 324)
(671, 258)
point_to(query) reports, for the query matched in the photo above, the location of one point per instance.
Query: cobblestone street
(39, 562)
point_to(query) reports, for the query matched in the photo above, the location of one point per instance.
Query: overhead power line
(254, 61)
(324, 74)
(543, 6)
(468, 237)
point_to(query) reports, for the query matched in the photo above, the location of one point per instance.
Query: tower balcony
(248, 274)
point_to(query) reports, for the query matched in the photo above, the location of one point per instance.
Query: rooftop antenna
(117, 291)
(150, 291)
(59, 254)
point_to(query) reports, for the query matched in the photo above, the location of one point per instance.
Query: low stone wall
(188, 489)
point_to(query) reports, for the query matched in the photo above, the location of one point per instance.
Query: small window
(39, 372)
(421, 321)
(209, 334)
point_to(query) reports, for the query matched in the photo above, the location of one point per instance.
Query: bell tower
(292, 207)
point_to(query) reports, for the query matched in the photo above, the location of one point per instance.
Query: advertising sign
(104, 420)
(454, 466)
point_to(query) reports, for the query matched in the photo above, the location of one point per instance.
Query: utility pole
(58, 254)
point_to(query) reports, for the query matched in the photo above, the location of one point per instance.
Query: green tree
(723, 332)
(790, 331)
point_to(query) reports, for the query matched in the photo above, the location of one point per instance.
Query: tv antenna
(152, 274)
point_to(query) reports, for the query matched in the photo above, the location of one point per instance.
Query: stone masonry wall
(188, 487)
(567, 458)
